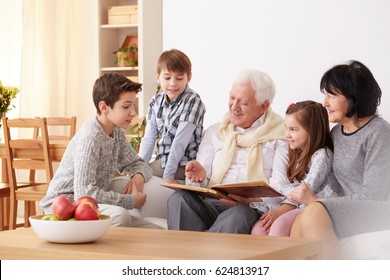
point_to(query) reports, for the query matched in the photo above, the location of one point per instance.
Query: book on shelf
(245, 189)
(123, 14)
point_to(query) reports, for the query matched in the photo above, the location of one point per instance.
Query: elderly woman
(361, 162)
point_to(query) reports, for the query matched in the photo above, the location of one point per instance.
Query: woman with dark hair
(361, 162)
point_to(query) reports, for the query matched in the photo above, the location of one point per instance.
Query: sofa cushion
(372, 245)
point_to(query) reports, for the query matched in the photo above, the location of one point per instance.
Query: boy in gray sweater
(98, 150)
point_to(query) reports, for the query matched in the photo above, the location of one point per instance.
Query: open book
(245, 189)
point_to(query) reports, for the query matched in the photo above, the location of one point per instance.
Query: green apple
(50, 217)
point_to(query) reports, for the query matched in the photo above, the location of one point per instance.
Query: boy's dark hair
(313, 117)
(110, 86)
(356, 82)
(174, 60)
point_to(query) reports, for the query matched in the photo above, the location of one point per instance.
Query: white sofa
(367, 246)
(155, 209)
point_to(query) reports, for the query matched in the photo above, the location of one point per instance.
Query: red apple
(86, 210)
(87, 198)
(63, 207)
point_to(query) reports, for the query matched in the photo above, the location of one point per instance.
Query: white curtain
(54, 77)
(11, 47)
(47, 57)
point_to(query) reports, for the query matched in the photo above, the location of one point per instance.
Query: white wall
(294, 41)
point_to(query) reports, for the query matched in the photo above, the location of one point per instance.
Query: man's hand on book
(195, 172)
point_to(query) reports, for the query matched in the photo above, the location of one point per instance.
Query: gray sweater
(362, 166)
(362, 161)
(89, 164)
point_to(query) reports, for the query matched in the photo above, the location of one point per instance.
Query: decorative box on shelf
(123, 14)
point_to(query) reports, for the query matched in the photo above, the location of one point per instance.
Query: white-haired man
(248, 145)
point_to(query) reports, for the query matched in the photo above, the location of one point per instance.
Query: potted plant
(137, 131)
(7, 94)
(126, 57)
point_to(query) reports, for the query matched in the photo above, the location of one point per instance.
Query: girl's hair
(110, 86)
(356, 82)
(314, 119)
(174, 60)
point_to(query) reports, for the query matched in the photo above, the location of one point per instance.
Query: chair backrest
(26, 153)
(68, 123)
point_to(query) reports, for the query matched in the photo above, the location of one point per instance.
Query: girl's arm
(320, 167)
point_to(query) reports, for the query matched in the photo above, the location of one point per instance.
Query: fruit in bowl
(71, 221)
(65, 208)
(70, 231)
(86, 209)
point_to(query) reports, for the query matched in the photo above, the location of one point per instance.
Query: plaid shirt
(187, 107)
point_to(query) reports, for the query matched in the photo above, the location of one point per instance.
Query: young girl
(310, 163)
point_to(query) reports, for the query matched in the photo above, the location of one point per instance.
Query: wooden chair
(4, 205)
(55, 122)
(26, 154)
(68, 123)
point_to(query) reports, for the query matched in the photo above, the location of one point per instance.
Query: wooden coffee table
(137, 243)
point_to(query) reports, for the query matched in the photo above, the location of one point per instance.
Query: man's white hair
(261, 83)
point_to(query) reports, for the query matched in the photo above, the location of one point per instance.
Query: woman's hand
(302, 194)
(195, 172)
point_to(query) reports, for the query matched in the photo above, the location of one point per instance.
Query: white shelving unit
(149, 32)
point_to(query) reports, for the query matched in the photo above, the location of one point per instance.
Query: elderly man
(248, 145)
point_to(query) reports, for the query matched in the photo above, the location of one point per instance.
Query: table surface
(141, 243)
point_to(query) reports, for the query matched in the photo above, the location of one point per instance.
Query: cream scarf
(272, 129)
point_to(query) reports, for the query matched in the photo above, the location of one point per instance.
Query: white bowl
(70, 231)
